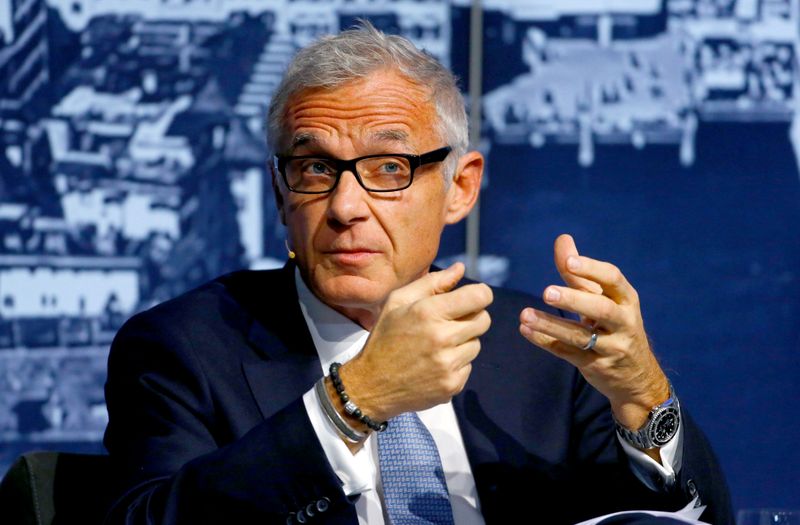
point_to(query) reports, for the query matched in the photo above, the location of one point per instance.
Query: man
(357, 386)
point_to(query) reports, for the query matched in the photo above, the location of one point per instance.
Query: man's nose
(347, 202)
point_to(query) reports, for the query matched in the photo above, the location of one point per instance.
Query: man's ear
(465, 187)
(277, 192)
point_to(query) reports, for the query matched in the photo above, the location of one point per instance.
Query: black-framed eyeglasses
(376, 173)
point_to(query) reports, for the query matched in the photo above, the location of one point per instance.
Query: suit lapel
(277, 382)
(284, 364)
(469, 412)
(475, 426)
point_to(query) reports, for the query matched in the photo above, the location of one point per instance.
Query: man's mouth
(351, 256)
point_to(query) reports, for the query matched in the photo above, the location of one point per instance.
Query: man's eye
(317, 168)
(391, 167)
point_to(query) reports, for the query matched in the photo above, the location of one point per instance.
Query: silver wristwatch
(662, 425)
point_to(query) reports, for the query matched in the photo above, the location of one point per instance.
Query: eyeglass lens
(377, 173)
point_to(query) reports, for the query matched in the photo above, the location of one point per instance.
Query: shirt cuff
(656, 476)
(355, 471)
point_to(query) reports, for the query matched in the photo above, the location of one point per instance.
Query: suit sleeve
(701, 475)
(596, 447)
(172, 460)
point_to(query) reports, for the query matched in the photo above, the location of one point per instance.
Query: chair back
(56, 488)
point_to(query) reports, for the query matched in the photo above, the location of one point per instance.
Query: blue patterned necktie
(414, 489)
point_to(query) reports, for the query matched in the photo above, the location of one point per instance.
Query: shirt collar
(335, 337)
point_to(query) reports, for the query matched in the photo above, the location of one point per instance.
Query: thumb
(445, 280)
(431, 284)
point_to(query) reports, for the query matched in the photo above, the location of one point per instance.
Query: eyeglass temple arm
(435, 156)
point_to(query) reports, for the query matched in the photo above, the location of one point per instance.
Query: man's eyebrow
(302, 139)
(390, 135)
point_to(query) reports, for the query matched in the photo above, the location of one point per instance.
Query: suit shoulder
(220, 298)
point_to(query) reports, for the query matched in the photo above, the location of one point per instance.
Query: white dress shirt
(338, 339)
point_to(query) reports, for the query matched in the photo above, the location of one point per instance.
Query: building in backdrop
(24, 58)
(133, 167)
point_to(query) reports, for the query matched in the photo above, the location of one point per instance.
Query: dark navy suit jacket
(207, 422)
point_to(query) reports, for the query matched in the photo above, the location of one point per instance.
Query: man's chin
(351, 291)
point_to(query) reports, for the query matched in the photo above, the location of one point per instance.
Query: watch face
(665, 426)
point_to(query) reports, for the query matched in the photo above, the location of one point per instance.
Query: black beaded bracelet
(349, 406)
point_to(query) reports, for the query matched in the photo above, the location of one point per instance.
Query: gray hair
(356, 53)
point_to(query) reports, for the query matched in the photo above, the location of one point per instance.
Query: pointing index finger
(563, 249)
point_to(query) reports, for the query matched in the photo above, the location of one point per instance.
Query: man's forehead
(381, 108)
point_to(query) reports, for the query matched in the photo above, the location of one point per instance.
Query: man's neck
(366, 318)
(363, 316)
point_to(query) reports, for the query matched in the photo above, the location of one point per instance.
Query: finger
(608, 276)
(463, 301)
(462, 377)
(429, 285)
(574, 356)
(601, 310)
(567, 331)
(563, 249)
(465, 353)
(469, 327)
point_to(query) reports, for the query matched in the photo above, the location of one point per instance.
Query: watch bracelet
(641, 438)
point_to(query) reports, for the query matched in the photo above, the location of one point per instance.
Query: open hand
(621, 365)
